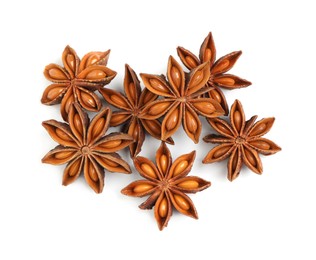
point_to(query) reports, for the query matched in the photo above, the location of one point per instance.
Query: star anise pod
(85, 148)
(131, 105)
(77, 80)
(181, 99)
(166, 183)
(218, 77)
(241, 141)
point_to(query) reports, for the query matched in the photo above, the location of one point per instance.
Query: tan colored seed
(222, 66)
(180, 167)
(189, 184)
(223, 128)
(205, 107)
(78, 123)
(158, 108)
(74, 168)
(172, 120)
(163, 163)
(163, 209)
(71, 61)
(175, 76)
(198, 77)
(117, 118)
(191, 62)
(207, 55)
(63, 155)
(156, 84)
(226, 81)
(91, 60)
(54, 92)
(191, 122)
(112, 144)
(220, 152)
(131, 89)
(109, 162)
(215, 95)
(118, 100)
(98, 127)
(96, 74)
(234, 163)
(237, 119)
(148, 170)
(57, 74)
(260, 128)
(92, 172)
(154, 127)
(251, 158)
(261, 145)
(88, 100)
(181, 202)
(142, 188)
(62, 135)
(68, 103)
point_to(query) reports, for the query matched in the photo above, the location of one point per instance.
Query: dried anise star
(217, 78)
(241, 141)
(166, 183)
(85, 148)
(131, 105)
(181, 99)
(77, 81)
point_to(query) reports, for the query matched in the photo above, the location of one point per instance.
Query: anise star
(218, 77)
(182, 100)
(166, 183)
(241, 141)
(131, 105)
(77, 80)
(85, 148)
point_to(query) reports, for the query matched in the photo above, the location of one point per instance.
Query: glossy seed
(226, 81)
(180, 167)
(92, 172)
(235, 160)
(116, 118)
(154, 127)
(87, 100)
(163, 208)
(205, 107)
(142, 188)
(57, 74)
(156, 84)
(223, 128)
(68, 103)
(63, 155)
(261, 144)
(221, 66)
(172, 119)
(109, 162)
(219, 152)
(207, 54)
(191, 62)
(190, 122)
(131, 89)
(237, 120)
(175, 76)
(148, 170)
(54, 92)
(74, 168)
(259, 129)
(71, 61)
(197, 78)
(91, 60)
(215, 95)
(188, 184)
(95, 74)
(250, 157)
(118, 100)
(112, 144)
(158, 108)
(181, 202)
(62, 135)
(98, 127)
(148, 96)
(163, 163)
(78, 123)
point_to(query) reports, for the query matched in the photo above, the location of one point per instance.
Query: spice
(182, 102)
(77, 80)
(131, 105)
(166, 184)
(84, 147)
(241, 141)
(218, 77)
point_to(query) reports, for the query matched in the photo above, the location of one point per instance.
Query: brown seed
(261, 144)
(163, 208)
(175, 76)
(98, 127)
(142, 188)
(226, 81)
(87, 100)
(189, 184)
(148, 170)
(207, 54)
(180, 167)
(117, 118)
(181, 202)
(215, 95)
(221, 66)
(57, 74)
(250, 158)
(237, 120)
(63, 155)
(77, 123)
(191, 62)
(260, 128)
(154, 127)
(173, 119)
(118, 100)
(223, 128)
(198, 77)
(131, 90)
(74, 168)
(156, 84)
(111, 144)
(91, 60)
(54, 92)
(95, 74)
(235, 160)
(92, 172)
(163, 163)
(205, 107)
(109, 162)
(191, 122)
(158, 108)
(220, 152)
(71, 61)
(62, 135)
(68, 103)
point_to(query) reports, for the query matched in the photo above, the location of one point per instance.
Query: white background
(256, 217)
